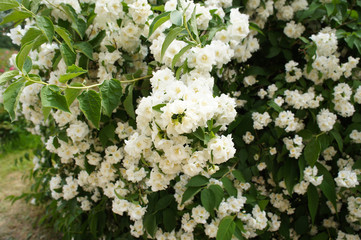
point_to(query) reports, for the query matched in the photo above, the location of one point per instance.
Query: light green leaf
(72, 72)
(189, 193)
(65, 35)
(128, 103)
(193, 24)
(11, 97)
(46, 112)
(90, 105)
(68, 55)
(169, 39)
(158, 21)
(15, 16)
(207, 200)
(158, 107)
(197, 181)
(28, 64)
(181, 52)
(111, 92)
(7, 76)
(312, 197)
(85, 48)
(51, 97)
(254, 26)
(23, 53)
(226, 228)
(46, 26)
(312, 151)
(72, 93)
(176, 17)
(8, 4)
(30, 35)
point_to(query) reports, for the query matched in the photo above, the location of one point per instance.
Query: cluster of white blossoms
(326, 120)
(181, 128)
(294, 146)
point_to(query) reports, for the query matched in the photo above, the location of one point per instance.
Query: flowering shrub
(192, 119)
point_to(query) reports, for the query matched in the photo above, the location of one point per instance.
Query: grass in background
(5, 55)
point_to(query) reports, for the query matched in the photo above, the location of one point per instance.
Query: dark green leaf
(7, 76)
(90, 105)
(218, 194)
(150, 224)
(106, 133)
(226, 228)
(330, 7)
(52, 97)
(158, 21)
(68, 55)
(239, 176)
(312, 151)
(197, 181)
(128, 103)
(169, 219)
(254, 26)
(85, 48)
(46, 26)
(72, 72)
(312, 197)
(96, 41)
(11, 97)
(207, 199)
(111, 92)
(228, 185)
(189, 193)
(328, 184)
(164, 202)
(336, 135)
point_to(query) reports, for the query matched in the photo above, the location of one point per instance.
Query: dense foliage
(191, 119)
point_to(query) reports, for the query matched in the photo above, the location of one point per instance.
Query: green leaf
(328, 184)
(228, 185)
(330, 7)
(96, 41)
(23, 53)
(254, 26)
(150, 224)
(106, 133)
(193, 24)
(164, 202)
(312, 151)
(226, 228)
(321, 236)
(31, 35)
(169, 219)
(46, 26)
(197, 181)
(158, 107)
(16, 16)
(7, 76)
(72, 72)
(239, 176)
(169, 39)
(189, 193)
(90, 105)
(11, 97)
(68, 55)
(8, 4)
(176, 17)
(312, 197)
(46, 112)
(85, 48)
(180, 54)
(72, 93)
(28, 64)
(218, 194)
(158, 21)
(65, 35)
(207, 200)
(111, 92)
(128, 103)
(336, 135)
(51, 97)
